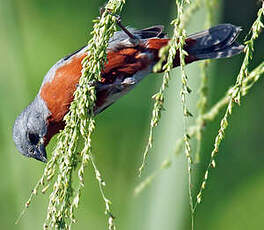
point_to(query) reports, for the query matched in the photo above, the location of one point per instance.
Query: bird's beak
(41, 154)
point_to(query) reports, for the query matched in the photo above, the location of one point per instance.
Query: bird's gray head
(29, 130)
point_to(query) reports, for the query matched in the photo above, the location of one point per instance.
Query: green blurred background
(34, 34)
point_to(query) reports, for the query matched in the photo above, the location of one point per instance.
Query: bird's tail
(217, 42)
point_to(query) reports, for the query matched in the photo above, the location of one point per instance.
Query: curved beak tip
(41, 154)
(43, 159)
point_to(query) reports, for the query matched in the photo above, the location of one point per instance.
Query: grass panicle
(245, 81)
(190, 9)
(185, 90)
(167, 54)
(234, 95)
(80, 125)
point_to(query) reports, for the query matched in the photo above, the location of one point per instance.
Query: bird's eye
(33, 138)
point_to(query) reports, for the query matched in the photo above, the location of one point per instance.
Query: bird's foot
(132, 38)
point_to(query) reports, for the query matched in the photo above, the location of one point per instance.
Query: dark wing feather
(217, 42)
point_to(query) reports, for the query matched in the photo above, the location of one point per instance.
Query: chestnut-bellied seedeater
(131, 55)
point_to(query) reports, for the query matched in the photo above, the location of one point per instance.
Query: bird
(131, 55)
